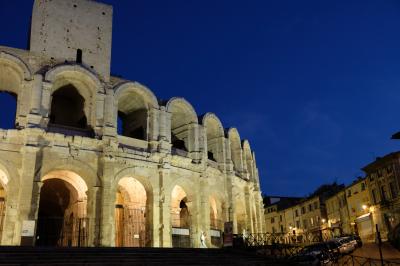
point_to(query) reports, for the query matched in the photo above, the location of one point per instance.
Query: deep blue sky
(314, 85)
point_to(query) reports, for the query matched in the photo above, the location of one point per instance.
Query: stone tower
(75, 31)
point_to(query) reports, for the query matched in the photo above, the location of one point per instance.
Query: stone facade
(104, 155)
(383, 179)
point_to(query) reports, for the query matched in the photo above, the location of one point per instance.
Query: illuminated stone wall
(93, 159)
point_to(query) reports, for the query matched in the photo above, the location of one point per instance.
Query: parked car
(334, 248)
(344, 245)
(318, 251)
(357, 239)
(311, 259)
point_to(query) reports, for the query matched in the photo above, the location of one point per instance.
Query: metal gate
(180, 230)
(131, 227)
(2, 214)
(62, 231)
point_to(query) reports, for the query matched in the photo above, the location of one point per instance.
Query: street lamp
(323, 221)
(364, 207)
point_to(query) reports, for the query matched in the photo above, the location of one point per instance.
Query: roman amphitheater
(97, 160)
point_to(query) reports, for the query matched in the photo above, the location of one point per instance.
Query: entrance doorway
(180, 219)
(62, 211)
(131, 228)
(2, 208)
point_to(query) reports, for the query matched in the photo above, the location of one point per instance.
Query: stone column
(28, 193)
(93, 213)
(34, 117)
(164, 131)
(164, 205)
(153, 128)
(107, 237)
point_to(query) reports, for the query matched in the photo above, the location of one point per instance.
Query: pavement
(371, 250)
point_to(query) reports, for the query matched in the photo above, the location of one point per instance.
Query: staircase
(126, 256)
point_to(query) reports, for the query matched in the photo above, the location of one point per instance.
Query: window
(8, 103)
(297, 224)
(362, 186)
(79, 56)
(374, 196)
(305, 224)
(296, 213)
(393, 190)
(272, 220)
(303, 210)
(316, 205)
(280, 218)
(281, 228)
(349, 193)
(312, 221)
(309, 207)
(383, 192)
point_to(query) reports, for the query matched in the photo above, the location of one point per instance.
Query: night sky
(314, 85)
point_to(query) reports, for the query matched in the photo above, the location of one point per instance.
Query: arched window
(67, 108)
(134, 103)
(215, 138)
(132, 124)
(183, 117)
(8, 103)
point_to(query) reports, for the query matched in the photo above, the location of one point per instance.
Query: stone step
(125, 256)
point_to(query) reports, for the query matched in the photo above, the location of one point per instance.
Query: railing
(351, 260)
(132, 143)
(180, 220)
(181, 235)
(216, 224)
(70, 131)
(175, 151)
(212, 163)
(62, 232)
(2, 214)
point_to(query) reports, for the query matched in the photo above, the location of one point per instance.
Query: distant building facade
(97, 160)
(383, 178)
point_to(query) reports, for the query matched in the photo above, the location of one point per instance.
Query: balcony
(179, 152)
(70, 131)
(131, 143)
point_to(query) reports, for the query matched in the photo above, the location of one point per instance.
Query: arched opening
(133, 112)
(67, 108)
(62, 211)
(182, 119)
(8, 103)
(133, 124)
(131, 214)
(249, 160)
(216, 222)
(240, 215)
(180, 218)
(3, 183)
(215, 135)
(236, 151)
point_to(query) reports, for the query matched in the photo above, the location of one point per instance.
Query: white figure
(203, 240)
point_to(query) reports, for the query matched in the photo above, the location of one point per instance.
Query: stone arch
(139, 220)
(248, 159)
(83, 169)
(17, 64)
(236, 150)
(240, 213)
(215, 137)
(73, 85)
(183, 212)
(183, 121)
(62, 214)
(134, 103)
(13, 73)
